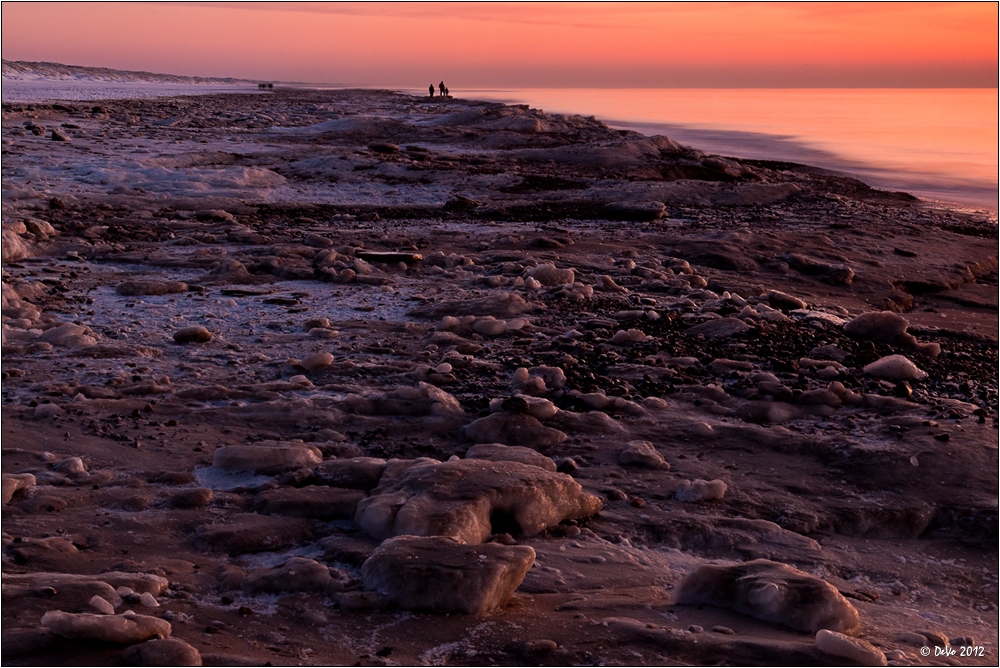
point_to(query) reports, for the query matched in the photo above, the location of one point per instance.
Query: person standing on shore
(442, 88)
(431, 89)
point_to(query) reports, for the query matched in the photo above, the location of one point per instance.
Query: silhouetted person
(442, 88)
(431, 89)
(446, 93)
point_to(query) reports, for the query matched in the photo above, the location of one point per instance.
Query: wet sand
(250, 340)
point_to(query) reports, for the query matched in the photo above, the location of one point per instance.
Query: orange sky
(523, 45)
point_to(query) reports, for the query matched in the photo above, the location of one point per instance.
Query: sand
(348, 290)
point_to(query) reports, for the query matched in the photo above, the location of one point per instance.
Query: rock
(125, 629)
(43, 411)
(425, 399)
(845, 647)
(166, 652)
(67, 591)
(317, 361)
(719, 329)
(636, 211)
(245, 533)
(496, 452)
(361, 473)
(72, 466)
(198, 497)
(140, 288)
(296, 574)
(264, 459)
(513, 429)
(470, 500)
(538, 379)
(770, 591)
(383, 147)
(313, 502)
(353, 550)
(440, 574)
(13, 482)
(148, 600)
(895, 367)
(69, 335)
(548, 275)
(642, 453)
(883, 326)
(700, 490)
(101, 605)
(195, 334)
(785, 302)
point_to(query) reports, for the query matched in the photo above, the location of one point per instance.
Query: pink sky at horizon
(524, 45)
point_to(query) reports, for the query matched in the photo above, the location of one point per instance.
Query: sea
(939, 144)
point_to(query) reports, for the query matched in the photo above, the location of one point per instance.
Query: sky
(523, 45)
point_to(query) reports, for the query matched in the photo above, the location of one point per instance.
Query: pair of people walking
(441, 87)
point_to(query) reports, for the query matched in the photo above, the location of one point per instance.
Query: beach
(355, 377)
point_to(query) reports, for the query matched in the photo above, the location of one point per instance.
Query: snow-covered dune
(25, 82)
(19, 70)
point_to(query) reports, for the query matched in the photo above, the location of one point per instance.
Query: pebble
(725, 630)
(195, 334)
(101, 605)
(317, 361)
(148, 600)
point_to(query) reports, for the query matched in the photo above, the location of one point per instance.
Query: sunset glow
(511, 44)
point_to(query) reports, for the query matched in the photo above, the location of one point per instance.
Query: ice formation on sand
(471, 499)
(771, 591)
(441, 574)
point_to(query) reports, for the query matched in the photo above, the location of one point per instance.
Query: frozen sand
(264, 205)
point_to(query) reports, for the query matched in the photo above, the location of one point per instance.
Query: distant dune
(19, 70)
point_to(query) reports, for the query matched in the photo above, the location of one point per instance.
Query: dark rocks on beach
(195, 334)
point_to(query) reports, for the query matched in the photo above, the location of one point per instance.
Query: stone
(245, 533)
(785, 302)
(125, 629)
(895, 367)
(314, 502)
(513, 429)
(296, 574)
(264, 459)
(165, 652)
(845, 647)
(425, 399)
(548, 275)
(43, 411)
(199, 497)
(883, 326)
(141, 288)
(317, 361)
(443, 575)
(361, 473)
(13, 482)
(69, 335)
(195, 334)
(148, 600)
(497, 452)
(470, 500)
(101, 605)
(635, 211)
(642, 453)
(770, 591)
(71, 466)
(719, 329)
(692, 491)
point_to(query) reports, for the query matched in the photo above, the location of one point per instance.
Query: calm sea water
(939, 144)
